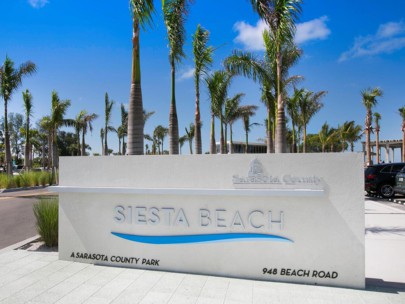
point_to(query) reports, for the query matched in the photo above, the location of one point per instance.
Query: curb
(22, 189)
(19, 244)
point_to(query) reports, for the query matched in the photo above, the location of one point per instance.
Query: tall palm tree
(45, 125)
(190, 134)
(107, 127)
(218, 84)
(377, 118)
(309, 104)
(57, 120)
(10, 81)
(174, 12)
(27, 98)
(369, 101)
(123, 128)
(78, 125)
(265, 71)
(280, 16)
(247, 126)
(142, 11)
(293, 112)
(402, 113)
(233, 112)
(202, 60)
(86, 125)
(102, 140)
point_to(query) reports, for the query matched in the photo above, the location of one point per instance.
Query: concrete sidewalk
(39, 277)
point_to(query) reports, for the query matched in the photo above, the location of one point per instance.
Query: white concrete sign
(285, 217)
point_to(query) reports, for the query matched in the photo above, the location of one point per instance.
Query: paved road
(17, 221)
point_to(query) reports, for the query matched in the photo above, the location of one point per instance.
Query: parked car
(400, 182)
(380, 179)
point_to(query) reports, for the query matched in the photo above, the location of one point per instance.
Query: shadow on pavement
(380, 285)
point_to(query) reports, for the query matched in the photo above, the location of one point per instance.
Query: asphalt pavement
(17, 221)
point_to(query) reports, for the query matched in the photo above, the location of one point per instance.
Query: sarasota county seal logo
(257, 177)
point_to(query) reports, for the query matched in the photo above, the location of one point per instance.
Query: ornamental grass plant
(46, 214)
(25, 180)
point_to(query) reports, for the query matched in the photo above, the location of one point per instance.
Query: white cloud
(390, 37)
(186, 74)
(312, 30)
(38, 3)
(251, 36)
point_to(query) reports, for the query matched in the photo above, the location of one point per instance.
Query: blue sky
(83, 49)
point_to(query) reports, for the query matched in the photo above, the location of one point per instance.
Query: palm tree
(190, 133)
(354, 135)
(377, 118)
(202, 60)
(58, 111)
(78, 125)
(247, 127)
(102, 140)
(10, 81)
(159, 135)
(142, 11)
(265, 71)
(402, 113)
(369, 101)
(174, 12)
(326, 135)
(293, 111)
(108, 110)
(86, 125)
(343, 133)
(27, 98)
(233, 112)
(45, 125)
(280, 16)
(308, 104)
(218, 84)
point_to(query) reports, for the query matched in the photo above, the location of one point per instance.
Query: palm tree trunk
(368, 127)
(7, 141)
(230, 139)
(226, 139)
(105, 140)
(304, 144)
(198, 141)
(123, 146)
(222, 144)
(403, 142)
(173, 121)
(269, 140)
(246, 141)
(377, 145)
(83, 146)
(281, 146)
(213, 146)
(281, 132)
(294, 145)
(27, 146)
(135, 109)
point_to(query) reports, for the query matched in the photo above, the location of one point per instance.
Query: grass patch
(46, 214)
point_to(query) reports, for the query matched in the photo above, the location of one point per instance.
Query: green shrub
(46, 214)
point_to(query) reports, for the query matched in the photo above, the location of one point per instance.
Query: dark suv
(380, 179)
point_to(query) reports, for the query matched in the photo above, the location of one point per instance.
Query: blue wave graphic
(199, 238)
